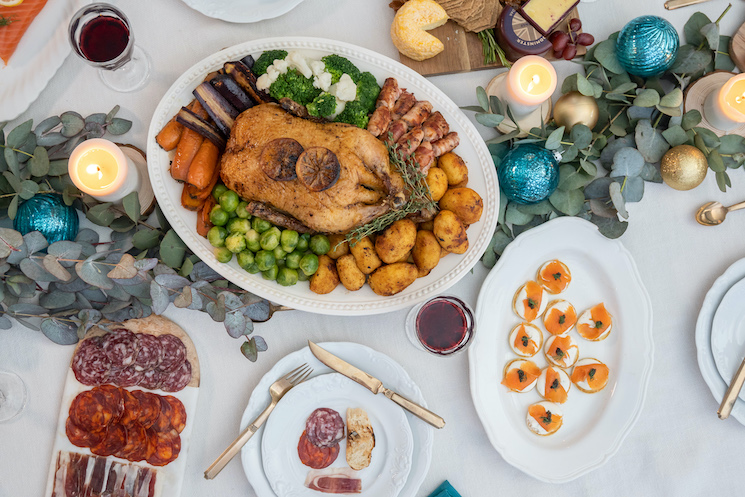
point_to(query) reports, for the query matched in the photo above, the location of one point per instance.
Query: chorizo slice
(178, 413)
(167, 447)
(90, 411)
(149, 407)
(113, 442)
(313, 456)
(80, 437)
(132, 409)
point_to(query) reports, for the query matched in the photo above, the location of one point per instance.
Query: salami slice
(126, 377)
(152, 379)
(149, 407)
(314, 456)
(132, 409)
(174, 352)
(120, 347)
(91, 365)
(178, 413)
(113, 442)
(325, 427)
(80, 437)
(167, 446)
(149, 352)
(178, 379)
(90, 411)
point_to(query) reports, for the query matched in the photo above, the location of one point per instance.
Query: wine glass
(13, 395)
(442, 326)
(101, 35)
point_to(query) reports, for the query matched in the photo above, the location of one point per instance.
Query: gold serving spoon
(676, 4)
(713, 213)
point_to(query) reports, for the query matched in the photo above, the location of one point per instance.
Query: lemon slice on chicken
(410, 26)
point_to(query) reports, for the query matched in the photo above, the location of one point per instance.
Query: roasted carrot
(187, 148)
(203, 166)
(190, 199)
(170, 135)
(203, 216)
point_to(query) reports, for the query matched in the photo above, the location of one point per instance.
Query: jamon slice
(334, 481)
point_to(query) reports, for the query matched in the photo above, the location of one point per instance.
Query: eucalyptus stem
(16, 150)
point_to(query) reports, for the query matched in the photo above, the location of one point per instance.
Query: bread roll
(360, 439)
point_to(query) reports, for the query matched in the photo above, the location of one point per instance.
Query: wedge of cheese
(410, 26)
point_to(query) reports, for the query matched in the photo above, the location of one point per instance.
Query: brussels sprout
(238, 225)
(252, 240)
(241, 210)
(292, 260)
(279, 254)
(235, 242)
(232, 215)
(260, 225)
(303, 242)
(218, 190)
(218, 216)
(223, 254)
(265, 259)
(253, 268)
(245, 259)
(216, 236)
(320, 244)
(287, 276)
(301, 276)
(270, 239)
(289, 240)
(229, 201)
(271, 273)
(309, 264)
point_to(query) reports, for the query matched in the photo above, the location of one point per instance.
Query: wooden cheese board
(737, 48)
(126, 434)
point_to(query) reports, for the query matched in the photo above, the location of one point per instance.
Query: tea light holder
(707, 96)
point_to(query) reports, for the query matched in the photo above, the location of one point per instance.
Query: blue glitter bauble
(647, 46)
(49, 215)
(528, 174)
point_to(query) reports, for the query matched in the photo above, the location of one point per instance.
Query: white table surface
(678, 447)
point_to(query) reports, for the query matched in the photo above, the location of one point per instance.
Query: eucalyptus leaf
(56, 300)
(571, 178)
(159, 296)
(28, 189)
(489, 120)
(172, 281)
(60, 332)
(248, 349)
(10, 240)
(122, 224)
(710, 32)
(618, 201)
(588, 167)
(113, 112)
(633, 188)
(52, 265)
(603, 208)
(690, 60)
(35, 242)
(506, 137)
(723, 180)
(172, 249)
(260, 343)
(610, 227)
(647, 98)
(598, 188)
(584, 86)
(46, 126)
(216, 309)
(675, 135)
(567, 202)
(553, 142)
(94, 274)
(146, 264)
(14, 167)
(515, 216)
(649, 142)
(27, 310)
(119, 126)
(38, 165)
(691, 119)
(235, 324)
(258, 312)
(692, 28)
(124, 269)
(483, 98)
(58, 167)
(5, 323)
(672, 99)
(715, 161)
(722, 59)
(101, 214)
(539, 209)
(72, 123)
(145, 239)
(581, 135)
(131, 205)
(605, 53)
(94, 130)
(651, 173)
(66, 249)
(627, 162)
(18, 136)
(34, 269)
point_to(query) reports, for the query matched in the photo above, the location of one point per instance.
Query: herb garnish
(524, 340)
(562, 318)
(547, 418)
(532, 303)
(557, 276)
(555, 384)
(559, 353)
(598, 324)
(5, 21)
(591, 374)
(521, 375)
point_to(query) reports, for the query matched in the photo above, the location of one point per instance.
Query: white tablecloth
(678, 446)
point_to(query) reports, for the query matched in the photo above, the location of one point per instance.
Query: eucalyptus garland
(74, 285)
(640, 119)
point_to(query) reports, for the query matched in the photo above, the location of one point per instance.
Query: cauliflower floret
(318, 67)
(263, 82)
(273, 73)
(345, 89)
(322, 81)
(281, 65)
(298, 61)
(340, 104)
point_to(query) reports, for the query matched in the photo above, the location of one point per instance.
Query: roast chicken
(365, 185)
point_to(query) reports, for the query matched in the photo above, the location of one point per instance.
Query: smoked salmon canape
(529, 301)
(554, 276)
(526, 339)
(544, 418)
(595, 323)
(553, 384)
(561, 350)
(590, 375)
(559, 317)
(520, 375)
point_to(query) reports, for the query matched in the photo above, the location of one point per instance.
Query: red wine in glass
(442, 326)
(103, 38)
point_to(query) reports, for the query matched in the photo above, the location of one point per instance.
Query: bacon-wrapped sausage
(410, 141)
(435, 127)
(424, 156)
(379, 121)
(396, 130)
(445, 144)
(417, 114)
(389, 93)
(405, 102)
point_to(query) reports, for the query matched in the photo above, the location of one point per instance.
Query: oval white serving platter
(242, 11)
(482, 178)
(594, 424)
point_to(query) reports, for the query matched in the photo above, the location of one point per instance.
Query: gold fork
(277, 390)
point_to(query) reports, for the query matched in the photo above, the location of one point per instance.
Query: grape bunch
(565, 43)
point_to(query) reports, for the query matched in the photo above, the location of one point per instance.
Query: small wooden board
(695, 97)
(463, 52)
(737, 48)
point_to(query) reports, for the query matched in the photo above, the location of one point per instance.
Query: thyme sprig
(417, 192)
(491, 49)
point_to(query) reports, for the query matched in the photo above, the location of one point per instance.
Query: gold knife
(676, 4)
(733, 391)
(374, 385)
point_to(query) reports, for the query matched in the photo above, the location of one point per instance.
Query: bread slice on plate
(360, 439)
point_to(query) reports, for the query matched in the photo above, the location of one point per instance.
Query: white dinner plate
(594, 425)
(482, 178)
(377, 364)
(241, 11)
(37, 58)
(391, 457)
(728, 333)
(706, 363)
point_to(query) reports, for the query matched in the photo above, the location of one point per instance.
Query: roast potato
(454, 167)
(350, 275)
(437, 181)
(396, 241)
(365, 256)
(341, 249)
(326, 278)
(393, 278)
(428, 225)
(426, 252)
(464, 202)
(450, 232)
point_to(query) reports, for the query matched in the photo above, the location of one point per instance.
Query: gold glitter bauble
(575, 108)
(683, 167)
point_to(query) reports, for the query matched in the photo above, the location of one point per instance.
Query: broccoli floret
(338, 65)
(354, 113)
(294, 86)
(367, 91)
(323, 105)
(266, 59)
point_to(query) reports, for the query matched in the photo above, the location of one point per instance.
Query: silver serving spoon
(713, 213)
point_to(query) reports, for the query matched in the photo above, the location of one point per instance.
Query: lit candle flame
(740, 99)
(535, 80)
(94, 169)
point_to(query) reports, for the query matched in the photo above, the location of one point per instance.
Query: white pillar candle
(530, 82)
(724, 108)
(99, 168)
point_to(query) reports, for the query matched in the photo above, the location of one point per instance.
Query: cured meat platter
(127, 412)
